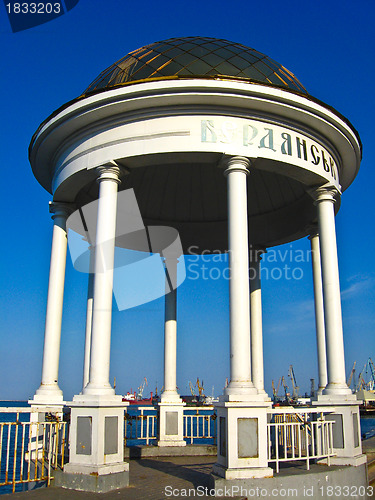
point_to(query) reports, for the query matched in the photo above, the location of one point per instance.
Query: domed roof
(195, 57)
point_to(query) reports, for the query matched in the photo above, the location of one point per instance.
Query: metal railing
(30, 450)
(200, 425)
(142, 427)
(299, 435)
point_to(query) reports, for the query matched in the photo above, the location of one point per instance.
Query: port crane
(141, 388)
(192, 390)
(350, 378)
(200, 388)
(369, 386)
(372, 369)
(286, 388)
(275, 390)
(292, 376)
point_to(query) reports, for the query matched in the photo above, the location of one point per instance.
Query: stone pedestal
(43, 406)
(171, 423)
(97, 444)
(346, 429)
(36, 444)
(242, 439)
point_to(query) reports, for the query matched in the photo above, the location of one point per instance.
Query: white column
(171, 406)
(241, 411)
(49, 390)
(89, 311)
(325, 200)
(96, 436)
(170, 332)
(346, 435)
(239, 300)
(103, 283)
(256, 327)
(319, 310)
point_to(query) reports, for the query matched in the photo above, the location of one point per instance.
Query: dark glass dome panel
(199, 58)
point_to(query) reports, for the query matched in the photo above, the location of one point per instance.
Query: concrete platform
(368, 447)
(319, 482)
(181, 477)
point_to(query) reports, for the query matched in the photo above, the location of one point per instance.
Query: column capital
(109, 171)
(236, 164)
(324, 193)
(61, 209)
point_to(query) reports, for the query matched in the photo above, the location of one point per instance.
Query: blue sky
(328, 45)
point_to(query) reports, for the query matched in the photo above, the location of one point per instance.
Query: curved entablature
(169, 138)
(112, 125)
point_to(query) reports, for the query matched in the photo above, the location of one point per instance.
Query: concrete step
(190, 450)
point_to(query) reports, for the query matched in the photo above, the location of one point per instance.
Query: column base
(242, 439)
(170, 398)
(253, 473)
(48, 395)
(333, 399)
(171, 423)
(332, 390)
(237, 391)
(245, 398)
(95, 400)
(347, 443)
(91, 390)
(96, 441)
(95, 479)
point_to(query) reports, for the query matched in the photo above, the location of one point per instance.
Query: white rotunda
(226, 146)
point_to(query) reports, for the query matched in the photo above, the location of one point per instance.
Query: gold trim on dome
(204, 77)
